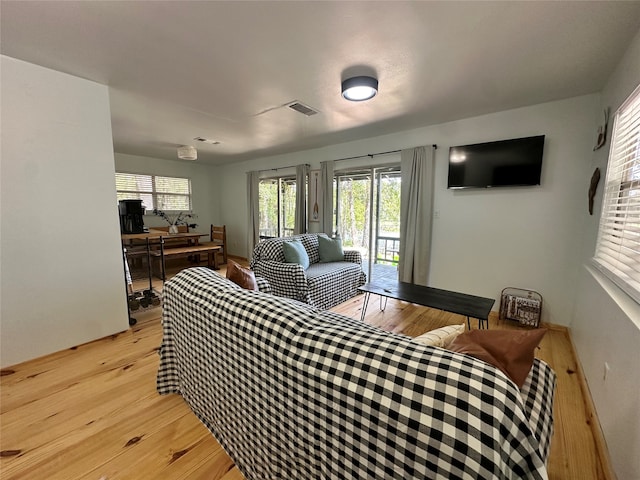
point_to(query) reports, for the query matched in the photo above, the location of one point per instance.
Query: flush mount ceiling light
(187, 152)
(358, 89)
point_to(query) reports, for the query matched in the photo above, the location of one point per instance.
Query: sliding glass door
(368, 217)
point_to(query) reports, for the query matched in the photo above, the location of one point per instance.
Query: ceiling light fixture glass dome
(358, 89)
(187, 152)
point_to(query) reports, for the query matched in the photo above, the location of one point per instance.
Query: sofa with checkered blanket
(293, 392)
(323, 285)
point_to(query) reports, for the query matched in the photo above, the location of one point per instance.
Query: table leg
(365, 304)
(162, 265)
(382, 309)
(481, 324)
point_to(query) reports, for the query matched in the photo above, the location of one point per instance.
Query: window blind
(164, 193)
(618, 247)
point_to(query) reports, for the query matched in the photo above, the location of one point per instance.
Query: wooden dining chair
(219, 237)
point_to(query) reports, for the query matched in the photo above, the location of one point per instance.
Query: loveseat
(293, 392)
(322, 284)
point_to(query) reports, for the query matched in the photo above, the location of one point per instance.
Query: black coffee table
(469, 306)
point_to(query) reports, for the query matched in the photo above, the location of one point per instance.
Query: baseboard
(238, 259)
(558, 328)
(592, 418)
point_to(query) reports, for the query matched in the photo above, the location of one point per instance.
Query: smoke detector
(187, 152)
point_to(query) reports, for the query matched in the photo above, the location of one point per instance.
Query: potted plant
(180, 218)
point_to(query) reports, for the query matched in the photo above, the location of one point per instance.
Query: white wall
(205, 187)
(606, 324)
(483, 240)
(62, 281)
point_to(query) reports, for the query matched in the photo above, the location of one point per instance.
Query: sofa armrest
(353, 256)
(286, 279)
(263, 284)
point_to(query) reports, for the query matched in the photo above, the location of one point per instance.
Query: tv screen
(505, 163)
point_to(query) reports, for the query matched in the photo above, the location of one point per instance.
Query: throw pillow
(294, 252)
(241, 276)
(330, 249)
(440, 337)
(512, 351)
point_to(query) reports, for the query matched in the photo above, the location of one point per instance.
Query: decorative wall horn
(602, 131)
(595, 178)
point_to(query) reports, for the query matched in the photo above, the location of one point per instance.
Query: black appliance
(131, 216)
(505, 163)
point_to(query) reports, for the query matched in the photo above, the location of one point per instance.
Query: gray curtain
(416, 206)
(326, 179)
(253, 210)
(300, 225)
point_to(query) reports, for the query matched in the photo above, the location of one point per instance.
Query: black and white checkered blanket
(294, 393)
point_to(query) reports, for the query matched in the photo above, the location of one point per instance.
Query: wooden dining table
(160, 244)
(191, 237)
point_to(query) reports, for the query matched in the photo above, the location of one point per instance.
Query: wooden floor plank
(58, 372)
(571, 415)
(75, 418)
(207, 460)
(92, 412)
(84, 450)
(151, 456)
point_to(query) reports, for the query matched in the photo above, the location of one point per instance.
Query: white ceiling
(223, 70)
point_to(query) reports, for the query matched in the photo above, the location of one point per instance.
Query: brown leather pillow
(241, 276)
(512, 351)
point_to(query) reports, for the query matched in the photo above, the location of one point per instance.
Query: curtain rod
(275, 169)
(435, 146)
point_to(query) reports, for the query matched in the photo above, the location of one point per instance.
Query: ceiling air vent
(302, 108)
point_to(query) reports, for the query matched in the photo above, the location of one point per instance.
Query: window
(163, 193)
(618, 248)
(277, 206)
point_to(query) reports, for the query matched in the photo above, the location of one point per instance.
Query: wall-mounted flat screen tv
(506, 163)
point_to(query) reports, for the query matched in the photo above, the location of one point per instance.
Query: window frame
(617, 252)
(154, 193)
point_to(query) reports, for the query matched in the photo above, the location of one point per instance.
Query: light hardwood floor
(92, 412)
